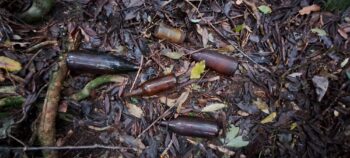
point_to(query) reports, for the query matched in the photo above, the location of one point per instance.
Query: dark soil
(283, 63)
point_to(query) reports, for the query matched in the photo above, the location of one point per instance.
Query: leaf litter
(293, 108)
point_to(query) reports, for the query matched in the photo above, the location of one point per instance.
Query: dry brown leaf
(182, 99)
(167, 101)
(343, 33)
(308, 9)
(134, 110)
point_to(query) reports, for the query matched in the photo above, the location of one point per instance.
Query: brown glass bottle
(193, 126)
(154, 86)
(219, 62)
(81, 61)
(170, 34)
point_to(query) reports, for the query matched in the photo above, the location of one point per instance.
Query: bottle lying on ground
(170, 34)
(193, 126)
(98, 63)
(219, 62)
(154, 86)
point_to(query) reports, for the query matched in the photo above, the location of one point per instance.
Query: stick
(96, 146)
(40, 45)
(137, 75)
(46, 130)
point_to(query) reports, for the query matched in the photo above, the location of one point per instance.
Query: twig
(40, 45)
(137, 75)
(46, 130)
(155, 121)
(236, 47)
(167, 148)
(96, 146)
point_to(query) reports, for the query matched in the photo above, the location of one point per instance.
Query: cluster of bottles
(104, 63)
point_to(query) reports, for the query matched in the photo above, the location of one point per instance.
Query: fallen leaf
(242, 113)
(197, 70)
(232, 140)
(261, 105)
(227, 48)
(181, 100)
(133, 3)
(265, 9)
(172, 55)
(9, 64)
(321, 83)
(239, 2)
(343, 33)
(269, 118)
(293, 126)
(204, 33)
(343, 63)
(134, 110)
(167, 101)
(239, 28)
(320, 32)
(168, 70)
(214, 107)
(308, 9)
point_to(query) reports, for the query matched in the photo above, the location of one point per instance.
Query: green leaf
(172, 55)
(237, 142)
(197, 70)
(232, 132)
(232, 140)
(239, 28)
(320, 32)
(9, 64)
(265, 9)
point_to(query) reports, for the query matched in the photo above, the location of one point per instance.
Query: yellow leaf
(293, 126)
(261, 105)
(9, 64)
(269, 118)
(197, 70)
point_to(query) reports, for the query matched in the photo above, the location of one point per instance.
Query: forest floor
(288, 97)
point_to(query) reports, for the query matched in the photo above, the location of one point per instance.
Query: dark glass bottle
(98, 63)
(154, 86)
(219, 62)
(193, 126)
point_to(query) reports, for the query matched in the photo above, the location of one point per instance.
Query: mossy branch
(85, 92)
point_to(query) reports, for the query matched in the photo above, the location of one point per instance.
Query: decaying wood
(46, 130)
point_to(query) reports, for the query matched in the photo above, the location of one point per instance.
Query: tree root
(46, 130)
(85, 92)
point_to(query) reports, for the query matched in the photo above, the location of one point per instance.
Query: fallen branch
(46, 130)
(85, 92)
(96, 146)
